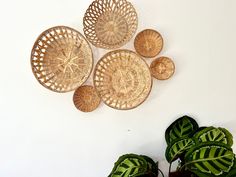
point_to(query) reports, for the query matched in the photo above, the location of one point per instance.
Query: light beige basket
(110, 24)
(122, 79)
(86, 99)
(162, 68)
(61, 59)
(148, 43)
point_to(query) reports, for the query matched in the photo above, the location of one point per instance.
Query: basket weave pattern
(148, 43)
(122, 79)
(162, 68)
(110, 23)
(86, 99)
(61, 59)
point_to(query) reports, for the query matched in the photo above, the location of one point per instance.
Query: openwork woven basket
(110, 24)
(122, 79)
(148, 43)
(61, 59)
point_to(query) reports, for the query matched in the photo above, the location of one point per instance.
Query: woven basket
(86, 99)
(148, 43)
(110, 24)
(122, 79)
(61, 59)
(162, 68)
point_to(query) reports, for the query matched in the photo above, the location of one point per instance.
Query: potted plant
(202, 152)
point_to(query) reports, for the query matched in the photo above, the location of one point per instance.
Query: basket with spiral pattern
(110, 24)
(61, 59)
(122, 79)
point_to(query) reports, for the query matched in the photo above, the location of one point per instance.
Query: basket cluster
(62, 59)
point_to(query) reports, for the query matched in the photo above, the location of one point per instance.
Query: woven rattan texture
(148, 43)
(162, 68)
(110, 24)
(61, 59)
(122, 79)
(86, 98)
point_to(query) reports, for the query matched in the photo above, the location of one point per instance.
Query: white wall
(43, 135)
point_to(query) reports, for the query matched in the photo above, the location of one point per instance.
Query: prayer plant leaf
(184, 126)
(211, 158)
(177, 148)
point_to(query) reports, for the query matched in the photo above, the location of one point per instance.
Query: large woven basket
(122, 79)
(110, 24)
(61, 59)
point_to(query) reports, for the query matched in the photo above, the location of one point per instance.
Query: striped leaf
(184, 126)
(129, 165)
(210, 158)
(152, 166)
(214, 134)
(177, 148)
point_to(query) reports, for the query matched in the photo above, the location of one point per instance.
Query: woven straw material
(162, 68)
(122, 79)
(148, 43)
(61, 59)
(110, 24)
(86, 99)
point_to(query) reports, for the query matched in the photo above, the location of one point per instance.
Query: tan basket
(148, 43)
(122, 79)
(162, 68)
(110, 24)
(61, 59)
(86, 99)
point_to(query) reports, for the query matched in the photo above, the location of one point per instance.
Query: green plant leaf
(129, 165)
(232, 173)
(152, 166)
(214, 134)
(211, 158)
(184, 126)
(200, 174)
(177, 148)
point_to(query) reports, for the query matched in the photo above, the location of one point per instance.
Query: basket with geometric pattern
(110, 24)
(61, 59)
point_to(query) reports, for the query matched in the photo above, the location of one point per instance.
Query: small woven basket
(122, 79)
(86, 99)
(162, 68)
(110, 24)
(148, 43)
(61, 59)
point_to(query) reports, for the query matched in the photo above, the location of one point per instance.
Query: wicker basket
(110, 24)
(122, 79)
(148, 43)
(86, 99)
(162, 68)
(61, 59)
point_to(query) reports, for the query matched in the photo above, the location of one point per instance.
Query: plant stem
(169, 169)
(161, 172)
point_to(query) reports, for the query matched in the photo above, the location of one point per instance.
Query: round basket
(61, 59)
(148, 43)
(162, 68)
(122, 79)
(110, 24)
(86, 99)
